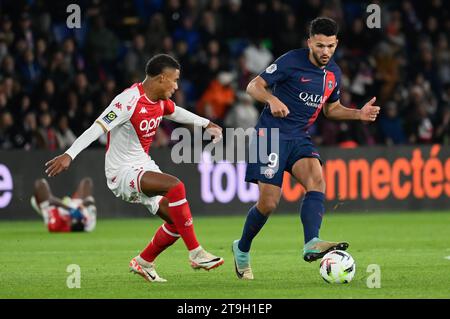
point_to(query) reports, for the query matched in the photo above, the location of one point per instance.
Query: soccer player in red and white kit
(131, 121)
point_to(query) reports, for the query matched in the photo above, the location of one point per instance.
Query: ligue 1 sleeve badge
(271, 68)
(111, 116)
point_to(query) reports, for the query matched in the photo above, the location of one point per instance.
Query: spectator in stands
(3, 102)
(243, 114)
(107, 93)
(3, 48)
(64, 134)
(102, 47)
(218, 98)
(32, 137)
(258, 57)
(8, 66)
(73, 60)
(155, 35)
(29, 71)
(136, 57)
(443, 58)
(189, 34)
(6, 131)
(6, 30)
(47, 132)
(42, 56)
(25, 31)
(24, 107)
(48, 94)
(391, 125)
(9, 85)
(58, 71)
(442, 131)
(420, 126)
(209, 28)
(81, 88)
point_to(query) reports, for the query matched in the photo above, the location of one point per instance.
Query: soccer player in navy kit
(302, 82)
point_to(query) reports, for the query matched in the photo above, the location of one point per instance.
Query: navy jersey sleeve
(336, 94)
(278, 71)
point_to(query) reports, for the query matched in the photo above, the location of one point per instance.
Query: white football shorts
(126, 184)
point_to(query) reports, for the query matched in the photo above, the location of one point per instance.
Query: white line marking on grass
(448, 257)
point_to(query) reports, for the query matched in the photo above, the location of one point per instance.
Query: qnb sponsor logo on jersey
(312, 100)
(149, 126)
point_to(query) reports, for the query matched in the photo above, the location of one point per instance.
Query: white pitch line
(448, 257)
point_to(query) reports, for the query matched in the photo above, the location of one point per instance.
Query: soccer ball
(337, 267)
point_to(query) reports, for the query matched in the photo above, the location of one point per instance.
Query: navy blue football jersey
(303, 87)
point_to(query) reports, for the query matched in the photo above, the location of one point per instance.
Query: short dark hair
(325, 26)
(159, 62)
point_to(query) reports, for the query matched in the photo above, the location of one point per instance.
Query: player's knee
(176, 190)
(42, 190)
(87, 182)
(267, 206)
(176, 183)
(40, 183)
(316, 183)
(163, 204)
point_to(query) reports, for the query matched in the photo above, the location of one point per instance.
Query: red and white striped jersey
(131, 121)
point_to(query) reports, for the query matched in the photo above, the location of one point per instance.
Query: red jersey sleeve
(169, 107)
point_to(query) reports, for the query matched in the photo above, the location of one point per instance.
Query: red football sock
(56, 222)
(165, 236)
(180, 213)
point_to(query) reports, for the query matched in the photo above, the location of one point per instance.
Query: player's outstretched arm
(336, 111)
(62, 162)
(183, 116)
(257, 89)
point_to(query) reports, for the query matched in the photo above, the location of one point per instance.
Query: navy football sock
(253, 224)
(311, 214)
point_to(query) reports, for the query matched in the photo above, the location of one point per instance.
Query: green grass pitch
(410, 248)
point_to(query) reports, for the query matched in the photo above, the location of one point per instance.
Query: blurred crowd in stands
(55, 81)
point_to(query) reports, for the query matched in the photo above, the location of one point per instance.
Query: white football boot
(146, 269)
(201, 259)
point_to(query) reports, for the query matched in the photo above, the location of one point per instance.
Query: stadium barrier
(363, 179)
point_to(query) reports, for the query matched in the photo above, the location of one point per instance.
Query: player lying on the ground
(131, 121)
(302, 82)
(76, 213)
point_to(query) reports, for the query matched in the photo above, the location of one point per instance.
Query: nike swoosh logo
(305, 80)
(153, 277)
(239, 274)
(206, 262)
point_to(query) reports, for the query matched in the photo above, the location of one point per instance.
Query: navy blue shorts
(270, 165)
